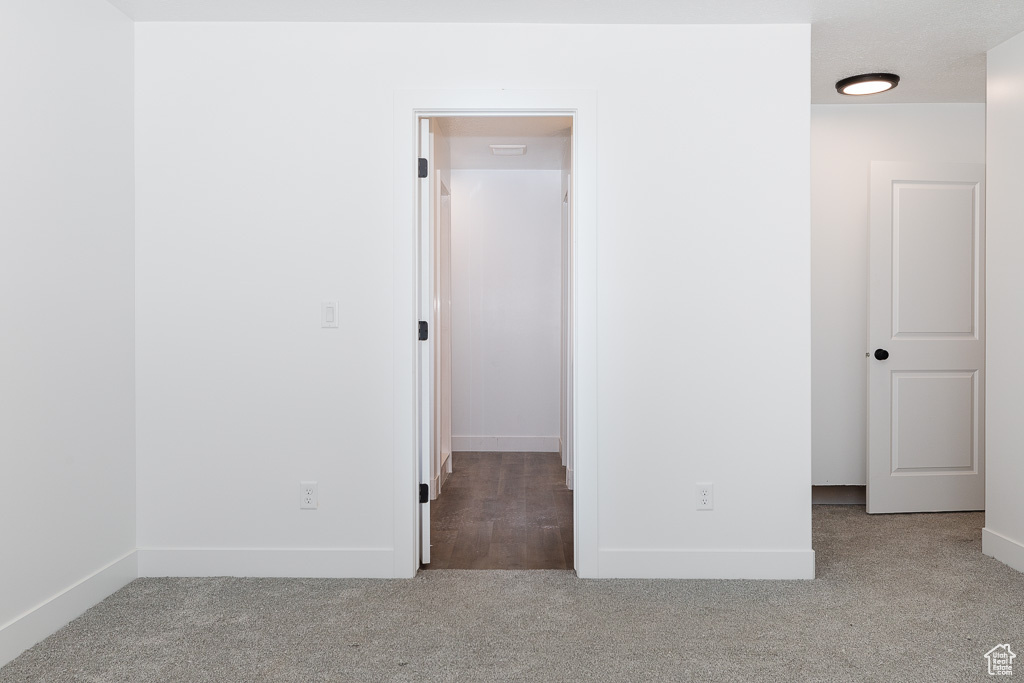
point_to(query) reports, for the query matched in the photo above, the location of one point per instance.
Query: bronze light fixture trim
(867, 84)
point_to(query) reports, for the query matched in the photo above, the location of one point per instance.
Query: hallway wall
(1003, 537)
(67, 313)
(845, 139)
(506, 310)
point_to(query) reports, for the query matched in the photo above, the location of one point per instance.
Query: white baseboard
(24, 631)
(1006, 550)
(446, 469)
(506, 444)
(327, 563)
(569, 478)
(706, 564)
(439, 479)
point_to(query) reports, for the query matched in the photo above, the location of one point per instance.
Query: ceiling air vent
(508, 150)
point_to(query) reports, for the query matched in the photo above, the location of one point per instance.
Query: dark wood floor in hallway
(503, 511)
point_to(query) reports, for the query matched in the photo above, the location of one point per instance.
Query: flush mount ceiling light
(867, 84)
(508, 150)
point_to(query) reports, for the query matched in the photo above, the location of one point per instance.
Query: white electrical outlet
(309, 496)
(706, 496)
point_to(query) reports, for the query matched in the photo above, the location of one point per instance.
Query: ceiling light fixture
(508, 150)
(867, 84)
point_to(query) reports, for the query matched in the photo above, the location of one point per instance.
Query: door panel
(934, 234)
(934, 416)
(926, 301)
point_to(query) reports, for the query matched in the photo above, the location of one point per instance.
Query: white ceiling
(936, 46)
(476, 11)
(545, 138)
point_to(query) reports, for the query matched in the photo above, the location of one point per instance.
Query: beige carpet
(898, 598)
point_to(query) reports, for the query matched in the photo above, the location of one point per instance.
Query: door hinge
(423, 330)
(424, 493)
(423, 168)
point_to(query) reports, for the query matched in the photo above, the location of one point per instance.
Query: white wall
(506, 310)
(67, 459)
(845, 139)
(1003, 536)
(265, 185)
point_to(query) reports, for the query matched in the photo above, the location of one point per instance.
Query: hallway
(503, 511)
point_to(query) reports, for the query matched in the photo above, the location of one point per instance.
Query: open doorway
(496, 283)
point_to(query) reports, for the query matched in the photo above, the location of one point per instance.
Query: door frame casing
(442, 361)
(410, 106)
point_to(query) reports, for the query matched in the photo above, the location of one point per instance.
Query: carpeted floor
(898, 598)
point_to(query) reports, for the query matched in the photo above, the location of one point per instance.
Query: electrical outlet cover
(705, 496)
(309, 496)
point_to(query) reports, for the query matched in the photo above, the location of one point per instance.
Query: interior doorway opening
(496, 372)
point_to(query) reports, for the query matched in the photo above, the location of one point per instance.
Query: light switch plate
(328, 314)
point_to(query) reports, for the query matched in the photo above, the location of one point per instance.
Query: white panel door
(424, 357)
(926, 337)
